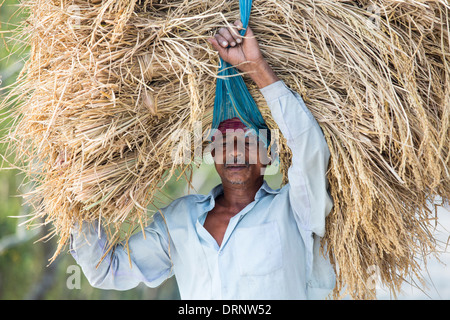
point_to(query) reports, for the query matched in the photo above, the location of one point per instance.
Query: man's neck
(237, 196)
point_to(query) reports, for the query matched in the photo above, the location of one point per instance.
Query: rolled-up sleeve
(145, 258)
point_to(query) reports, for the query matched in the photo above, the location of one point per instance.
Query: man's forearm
(262, 74)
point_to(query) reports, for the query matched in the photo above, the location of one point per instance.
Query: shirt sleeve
(310, 155)
(149, 261)
(308, 184)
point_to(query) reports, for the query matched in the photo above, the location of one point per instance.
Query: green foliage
(24, 267)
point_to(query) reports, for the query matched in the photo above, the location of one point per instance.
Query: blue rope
(232, 96)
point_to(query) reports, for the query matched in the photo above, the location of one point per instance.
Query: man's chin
(235, 180)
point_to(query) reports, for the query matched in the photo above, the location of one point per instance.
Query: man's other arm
(149, 261)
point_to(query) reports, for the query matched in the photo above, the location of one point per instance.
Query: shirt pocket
(258, 249)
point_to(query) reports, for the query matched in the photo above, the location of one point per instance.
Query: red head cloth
(230, 124)
(233, 123)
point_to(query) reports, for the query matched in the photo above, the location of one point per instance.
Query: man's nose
(235, 154)
(235, 151)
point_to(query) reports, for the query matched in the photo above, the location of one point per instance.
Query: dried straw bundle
(108, 83)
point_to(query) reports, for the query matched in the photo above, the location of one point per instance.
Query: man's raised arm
(310, 154)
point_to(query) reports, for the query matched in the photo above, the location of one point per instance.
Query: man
(243, 240)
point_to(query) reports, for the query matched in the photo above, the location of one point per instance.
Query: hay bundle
(107, 83)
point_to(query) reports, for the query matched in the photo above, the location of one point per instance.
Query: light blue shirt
(270, 249)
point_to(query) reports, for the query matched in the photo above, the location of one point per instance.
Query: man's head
(240, 157)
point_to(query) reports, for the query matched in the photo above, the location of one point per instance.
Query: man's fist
(243, 53)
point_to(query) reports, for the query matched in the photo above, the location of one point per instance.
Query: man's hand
(243, 53)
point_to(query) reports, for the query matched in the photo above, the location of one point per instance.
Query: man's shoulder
(184, 204)
(187, 199)
(181, 211)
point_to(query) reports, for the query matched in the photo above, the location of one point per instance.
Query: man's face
(239, 159)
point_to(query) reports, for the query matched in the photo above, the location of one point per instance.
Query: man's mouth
(236, 167)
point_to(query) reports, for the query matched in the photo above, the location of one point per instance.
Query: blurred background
(24, 269)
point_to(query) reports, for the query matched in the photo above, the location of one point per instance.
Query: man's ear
(208, 156)
(265, 154)
(273, 162)
(268, 158)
